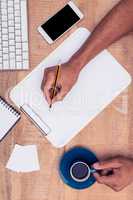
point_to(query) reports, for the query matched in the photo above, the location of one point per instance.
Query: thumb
(107, 180)
(47, 87)
(112, 163)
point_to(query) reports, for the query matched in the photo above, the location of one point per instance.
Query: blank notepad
(8, 117)
(100, 81)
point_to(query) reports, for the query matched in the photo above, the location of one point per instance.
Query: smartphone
(61, 22)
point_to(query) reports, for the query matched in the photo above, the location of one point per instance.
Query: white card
(23, 159)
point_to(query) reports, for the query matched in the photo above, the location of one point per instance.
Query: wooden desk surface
(108, 135)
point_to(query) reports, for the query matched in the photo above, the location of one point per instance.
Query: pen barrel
(54, 92)
(55, 89)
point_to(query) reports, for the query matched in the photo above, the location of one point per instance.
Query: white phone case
(47, 37)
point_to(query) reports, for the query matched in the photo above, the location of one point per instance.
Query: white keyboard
(14, 51)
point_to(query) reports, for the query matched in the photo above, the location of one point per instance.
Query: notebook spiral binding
(9, 107)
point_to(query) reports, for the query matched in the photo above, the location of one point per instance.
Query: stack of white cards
(23, 159)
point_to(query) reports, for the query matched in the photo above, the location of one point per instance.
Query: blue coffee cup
(75, 168)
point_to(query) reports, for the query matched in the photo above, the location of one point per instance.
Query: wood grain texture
(109, 134)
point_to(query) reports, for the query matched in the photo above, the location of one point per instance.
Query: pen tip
(50, 106)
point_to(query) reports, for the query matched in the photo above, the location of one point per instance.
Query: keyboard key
(10, 9)
(4, 37)
(10, 3)
(4, 11)
(4, 24)
(12, 55)
(25, 64)
(11, 30)
(18, 39)
(12, 63)
(18, 51)
(16, 1)
(3, 5)
(5, 44)
(11, 36)
(5, 57)
(4, 18)
(17, 26)
(19, 65)
(18, 45)
(25, 55)
(11, 16)
(25, 46)
(12, 48)
(5, 64)
(17, 13)
(5, 50)
(17, 20)
(4, 31)
(12, 42)
(17, 6)
(24, 21)
(11, 23)
(18, 32)
(19, 58)
(0, 59)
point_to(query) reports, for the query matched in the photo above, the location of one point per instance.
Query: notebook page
(7, 119)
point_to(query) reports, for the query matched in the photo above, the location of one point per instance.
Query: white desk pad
(99, 83)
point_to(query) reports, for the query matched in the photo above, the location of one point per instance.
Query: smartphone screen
(60, 22)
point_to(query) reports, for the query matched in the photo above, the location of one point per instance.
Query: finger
(47, 87)
(107, 180)
(44, 79)
(43, 83)
(59, 97)
(105, 172)
(112, 163)
(47, 96)
(97, 177)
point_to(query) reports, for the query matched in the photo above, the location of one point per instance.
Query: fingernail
(96, 165)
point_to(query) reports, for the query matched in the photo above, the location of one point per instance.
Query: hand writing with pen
(56, 88)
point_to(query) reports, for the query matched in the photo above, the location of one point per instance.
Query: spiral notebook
(9, 116)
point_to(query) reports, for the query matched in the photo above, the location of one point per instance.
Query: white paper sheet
(23, 159)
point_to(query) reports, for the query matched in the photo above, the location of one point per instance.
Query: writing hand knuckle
(45, 87)
(46, 71)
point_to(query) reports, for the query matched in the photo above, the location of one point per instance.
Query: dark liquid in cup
(80, 171)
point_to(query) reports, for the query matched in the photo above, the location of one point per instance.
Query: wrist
(76, 63)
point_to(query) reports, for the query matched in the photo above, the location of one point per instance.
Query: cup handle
(92, 170)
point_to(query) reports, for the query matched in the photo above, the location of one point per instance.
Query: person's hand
(121, 176)
(67, 78)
